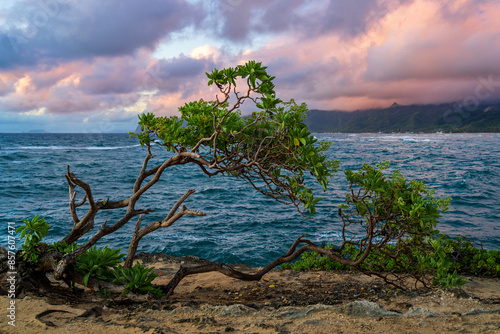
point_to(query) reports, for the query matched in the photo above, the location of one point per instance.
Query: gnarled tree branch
(171, 218)
(224, 269)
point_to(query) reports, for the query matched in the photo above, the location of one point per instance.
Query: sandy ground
(283, 302)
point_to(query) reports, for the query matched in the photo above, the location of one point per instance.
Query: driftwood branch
(80, 226)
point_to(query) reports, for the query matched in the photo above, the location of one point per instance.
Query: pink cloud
(435, 46)
(418, 53)
(135, 82)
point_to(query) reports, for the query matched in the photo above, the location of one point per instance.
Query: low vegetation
(458, 256)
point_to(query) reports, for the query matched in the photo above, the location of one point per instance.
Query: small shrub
(138, 280)
(471, 260)
(98, 263)
(63, 247)
(33, 232)
(450, 259)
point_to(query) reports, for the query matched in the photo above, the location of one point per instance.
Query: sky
(92, 66)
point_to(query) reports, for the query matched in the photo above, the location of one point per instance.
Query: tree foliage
(389, 230)
(33, 231)
(271, 149)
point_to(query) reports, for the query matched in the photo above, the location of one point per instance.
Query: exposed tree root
(48, 322)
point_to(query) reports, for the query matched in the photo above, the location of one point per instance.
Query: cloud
(4, 87)
(242, 20)
(431, 57)
(180, 74)
(132, 82)
(434, 46)
(54, 30)
(119, 75)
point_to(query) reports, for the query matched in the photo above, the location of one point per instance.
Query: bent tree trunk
(292, 254)
(266, 150)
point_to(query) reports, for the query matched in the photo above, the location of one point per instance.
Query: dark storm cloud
(128, 74)
(169, 75)
(122, 75)
(54, 30)
(241, 19)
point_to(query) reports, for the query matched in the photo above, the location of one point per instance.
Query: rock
(296, 313)
(481, 311)
(233, 310)
(362, 308)
(181, 310)
(317, 323)
(359, 308)
(416, 311)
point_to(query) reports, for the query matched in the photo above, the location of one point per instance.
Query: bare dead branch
(171, 218)
(143, 174)
(179, 202)
(82, 202)
(72, 206)
(80, 226)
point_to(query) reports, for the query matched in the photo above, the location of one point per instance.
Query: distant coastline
(429, 118)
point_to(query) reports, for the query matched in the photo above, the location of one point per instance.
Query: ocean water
(241, 226)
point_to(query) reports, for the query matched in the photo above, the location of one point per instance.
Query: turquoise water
(241, 226)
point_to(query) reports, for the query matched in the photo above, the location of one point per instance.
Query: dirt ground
(283, 302)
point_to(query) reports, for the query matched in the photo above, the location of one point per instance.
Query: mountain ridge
(447, 117)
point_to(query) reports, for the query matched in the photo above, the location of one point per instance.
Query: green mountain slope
(412, 118)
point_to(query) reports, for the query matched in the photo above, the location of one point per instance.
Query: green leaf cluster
(63, 247)
(468, 259)
(408, 207)
(137, 279)
(99, 263)
(439, 261)
(103, 263)
(33, 231)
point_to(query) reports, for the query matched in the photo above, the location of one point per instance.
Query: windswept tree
(388, 229)
(271, 149)
(388, 224)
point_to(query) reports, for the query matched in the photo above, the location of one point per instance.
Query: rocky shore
(283, 302)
